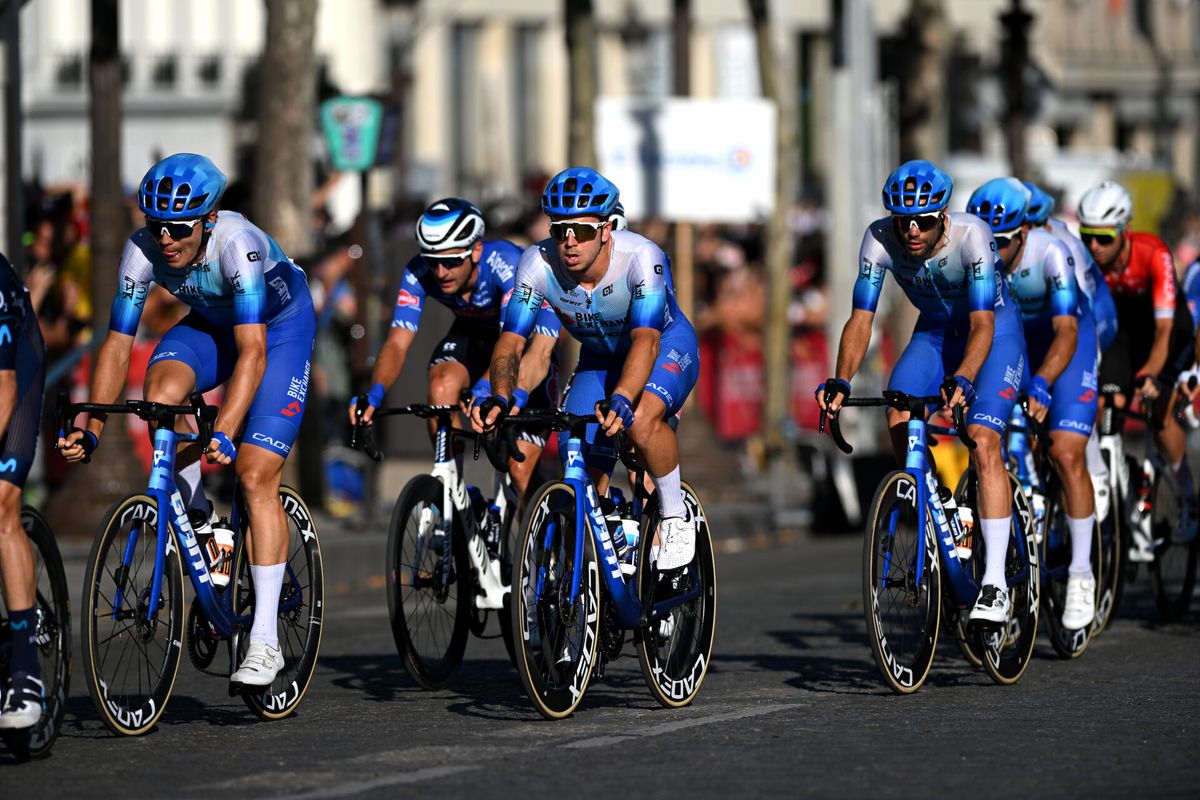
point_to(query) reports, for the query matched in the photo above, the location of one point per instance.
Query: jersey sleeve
(410, 298)
(983, 269)
(525, 302)
(1060, 280)
(12, 319)
(648, 288)
(1162, 281)
(134, 277)
(242, 260)
(873, 263)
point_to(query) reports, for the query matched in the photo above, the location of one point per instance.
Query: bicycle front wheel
(53, 639)
(676, 649)
(130, 655)
(901, 585)
(301, 612)
(1173, 570)
(428, 584)
(557, 631)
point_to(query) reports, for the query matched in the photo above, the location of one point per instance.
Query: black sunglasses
(449, 262)
(582, 231)
(176, 230)
(1103, 239)
(925, 222)
(1004, 241)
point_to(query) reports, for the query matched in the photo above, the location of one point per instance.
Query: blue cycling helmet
(917, 187)
(182, 186)
(1040, 204)
(579, 191)
(1001, 203)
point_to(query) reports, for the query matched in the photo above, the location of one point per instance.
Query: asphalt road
(792, 706)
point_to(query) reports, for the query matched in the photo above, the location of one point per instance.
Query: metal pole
(683, 267)
(14, 200)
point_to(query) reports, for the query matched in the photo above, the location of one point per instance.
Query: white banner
(689, 160)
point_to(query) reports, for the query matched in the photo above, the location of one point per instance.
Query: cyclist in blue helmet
(474, 279)
(967, 344)
(22, 379)
(1063, 364)
(252, 325)
(613, 292)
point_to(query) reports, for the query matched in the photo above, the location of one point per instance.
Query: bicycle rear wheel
(1055, 563)
(1110, 577)
(675, 651)
(131, 657)
(903, 611)
(558, 632)
(1006, 651)
(1173, 570)
(508, 545)
(428, 584)
(301, 611)
(53, 639)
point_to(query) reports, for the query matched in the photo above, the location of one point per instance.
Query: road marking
(417, 776)
(683, 724)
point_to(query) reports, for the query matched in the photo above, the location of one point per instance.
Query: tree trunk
(283, 181)
(75, 510)
(581, 78)
(923, 85)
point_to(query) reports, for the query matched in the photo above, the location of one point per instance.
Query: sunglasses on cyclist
(582, 231)
(924, 222)
(451, 261)
(176, 229)
(1102, 236)
(1004, 241)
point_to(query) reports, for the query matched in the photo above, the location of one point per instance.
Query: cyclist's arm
(535, 362)
(10, 326)
(873, 261)
(1058, 356)
(856, 338)
(1161, 348)
(8, 398)
(639, 362)
(979, 344)
(108, 381)
(251, 341)
(390, 360)
(1163, 290)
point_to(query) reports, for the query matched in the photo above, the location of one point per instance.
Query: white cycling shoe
(1080, 607)
(260, 666)
(992, 605)
(677, 542)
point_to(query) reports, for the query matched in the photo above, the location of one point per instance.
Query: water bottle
(612, 520)
(955, 518)
(492, 531)
(219, 549)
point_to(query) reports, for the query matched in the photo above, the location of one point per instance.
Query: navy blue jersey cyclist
(22, 379)
(251, 326)
(612, 291)
(968, 342)
(474, 279)
(1063, 363)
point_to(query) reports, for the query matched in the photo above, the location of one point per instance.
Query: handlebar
(497, 449)
(576, 425)
(899, 401)
(158, 413)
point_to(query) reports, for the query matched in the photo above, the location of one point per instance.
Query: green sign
(351, 126)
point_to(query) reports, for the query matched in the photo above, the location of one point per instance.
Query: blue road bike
(133, 618)
(912, 567)
(580, 584)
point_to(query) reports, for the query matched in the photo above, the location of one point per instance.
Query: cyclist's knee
(260, 476)
(446, 382)
(987, 447)
(1068, 457)
(10, 510)
(169, 382)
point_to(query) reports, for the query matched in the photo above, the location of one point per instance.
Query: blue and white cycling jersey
(636, 292)
(1191, 291)
(489, 297)
(963, 276)
(1044, 286)
(1093, 289)
(244, 278)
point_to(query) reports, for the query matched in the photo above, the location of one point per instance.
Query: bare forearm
(979, 344)
(1161, 348)
(506, 364)
(243, 385)
(638, 365)
(8, 398)
(535, 364)
(852, 348)
(389, 363)
(1066, 335)
(109, 376)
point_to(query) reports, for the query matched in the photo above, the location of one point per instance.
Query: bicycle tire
(556, 649)
(124, 708)
(963, 634)
(504, 616)
(54, 639)
(1173, 570)
(905, 668)
(1007, 652)
(673, 673)
(1110, 578)
(1055, 560)
(429, 614)
(301, 611)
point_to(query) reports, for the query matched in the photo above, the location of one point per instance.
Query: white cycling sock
(267, 583)
(191, 488)
(1095, 461)
(670, 496)
(1081, 545)
(995, 540)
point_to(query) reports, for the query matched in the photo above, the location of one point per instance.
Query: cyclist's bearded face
(579, 240)
(919, 233)
(1104, 245)
(179, 240)
(453, 268)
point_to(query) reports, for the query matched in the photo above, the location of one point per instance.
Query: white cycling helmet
(1106, 205)
(617, 218)
(450, 224)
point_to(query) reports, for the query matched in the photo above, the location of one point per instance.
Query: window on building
(209, 71)
(165, 72)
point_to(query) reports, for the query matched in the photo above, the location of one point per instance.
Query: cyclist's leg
(1171, 438)
(531, 442)
(919, 371)
(272, 424)
(460, 359)
(588, 385)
